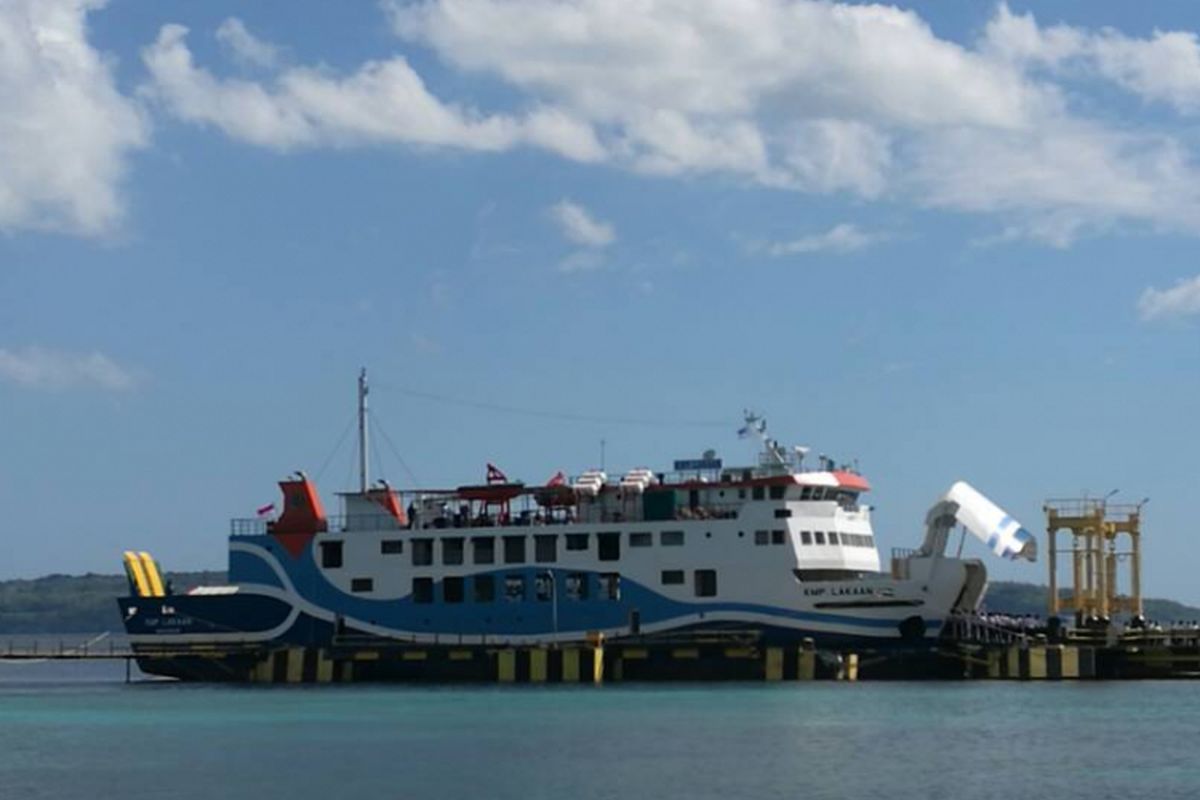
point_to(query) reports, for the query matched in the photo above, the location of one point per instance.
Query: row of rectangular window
(833, 537)
(483, 548)
(576, 585)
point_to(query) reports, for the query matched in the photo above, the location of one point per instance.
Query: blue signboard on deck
(697, 464)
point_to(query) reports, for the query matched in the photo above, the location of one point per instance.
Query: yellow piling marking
(324, 667)
(262, 670)
(570, 665)
(852, 666)
(414, 655)
(506, 666)
(1014, 662)
(295, 664)
(1037, 663)
(631, 653)
(774, 664)
(598, 664)
(1070, 662)
(741, 652)
(807, 666)
(460, 655)
(993, 664)
(537, 665)
(366, 655)
(685, 652)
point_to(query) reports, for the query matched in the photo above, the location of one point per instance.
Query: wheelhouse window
(422, 552)
(805, 537)
(671, 538)
(452, 551)
(545, 548)
(514, 588)
(543, 587)
(706, 583)
(782, 513)
(762, 537)
(577, 541)
(833, 537)
(776, 492)
(757, 493)
(422, 590)
(331, 555)
(362, 584)
(778, 537)
(452, 590)
(672, 577)
(608, 546)
(485, 588)
(485, 549)
(391, 547)
(514, 549)
(641, 539)
(819, 536)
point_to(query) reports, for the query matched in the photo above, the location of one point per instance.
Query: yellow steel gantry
(1095, 525)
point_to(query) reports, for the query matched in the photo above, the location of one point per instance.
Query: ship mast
(362, 431)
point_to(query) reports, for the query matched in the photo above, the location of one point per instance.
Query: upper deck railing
(257, 526)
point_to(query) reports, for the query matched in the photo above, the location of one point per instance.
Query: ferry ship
(775, 548)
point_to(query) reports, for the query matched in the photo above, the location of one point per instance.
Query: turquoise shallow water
(78, 732)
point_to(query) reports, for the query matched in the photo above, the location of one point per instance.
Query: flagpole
(362, 431)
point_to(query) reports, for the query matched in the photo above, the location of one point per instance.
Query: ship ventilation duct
(965, 506)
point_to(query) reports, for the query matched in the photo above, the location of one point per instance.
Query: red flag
(495, 475)
(267, 509)
(559, 479)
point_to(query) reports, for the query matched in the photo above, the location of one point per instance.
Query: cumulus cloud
(39, 368)
(245, 46)
(382, 102)
(579, 226)
(66, 132)
(1181, 300)
(1164, 67)
(842, 238)
(801, 95)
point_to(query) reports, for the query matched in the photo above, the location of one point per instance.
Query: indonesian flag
(495, 475)
(267, 510)
(559, 479)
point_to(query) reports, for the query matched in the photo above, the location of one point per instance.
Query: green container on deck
(659, 505)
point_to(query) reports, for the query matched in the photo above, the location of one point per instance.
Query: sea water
(78, 731)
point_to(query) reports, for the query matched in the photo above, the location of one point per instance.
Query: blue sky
(947, 240)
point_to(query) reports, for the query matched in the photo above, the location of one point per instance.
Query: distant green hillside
(1030, 598)
(85, 603)
(75, 603)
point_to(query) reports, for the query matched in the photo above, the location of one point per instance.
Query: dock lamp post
(549, 574)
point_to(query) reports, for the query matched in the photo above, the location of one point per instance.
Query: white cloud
(801, 95)
(382, 102)
(245, 46)
(66, 132)
(579, 226)
(1181, 300)
(842, 238)
(1164, 67)
(39, 368)
(581, 261)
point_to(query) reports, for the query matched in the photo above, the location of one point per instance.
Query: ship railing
(257, 526)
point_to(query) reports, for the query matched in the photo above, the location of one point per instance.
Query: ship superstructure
(775, 548)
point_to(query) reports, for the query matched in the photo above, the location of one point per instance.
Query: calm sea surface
(77, 731)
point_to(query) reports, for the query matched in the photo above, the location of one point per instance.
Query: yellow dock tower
(1095, 526)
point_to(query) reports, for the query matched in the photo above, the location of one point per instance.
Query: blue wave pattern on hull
(528, 617)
